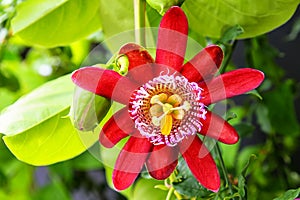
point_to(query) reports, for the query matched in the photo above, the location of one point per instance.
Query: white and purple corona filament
(167, 109)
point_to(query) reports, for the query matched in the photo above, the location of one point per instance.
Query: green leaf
(145, 189)
(289, 195)
(41, 104)
(37, 131)
(118, 16)
(231, 34)
(229, 153)
(55, 23)
(163, 5)
(255, 93)
(52, 141)
(212, 17)
(242, 177)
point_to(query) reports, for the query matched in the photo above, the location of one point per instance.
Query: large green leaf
(36, 129)
(52, 23)
(38, 106)
(50, 142)
(117, 16)
(212, 17)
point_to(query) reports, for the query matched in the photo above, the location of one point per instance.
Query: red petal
(162, 161)
(116, 128)
(230, 84)
(130, 162)
(172, 38)
(139, 60)
(105, 83)
(216, 127)
(204, 65)
(200, 163)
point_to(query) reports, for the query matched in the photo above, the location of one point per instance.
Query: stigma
(167, 109)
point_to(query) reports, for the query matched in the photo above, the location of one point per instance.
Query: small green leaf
(56, 23)
(255, 93)
(289, 195)
(263, 118)
(242, 177)
(163, 5)
(211, 17)
(231, 34)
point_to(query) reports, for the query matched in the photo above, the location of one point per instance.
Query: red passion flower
(166, 105)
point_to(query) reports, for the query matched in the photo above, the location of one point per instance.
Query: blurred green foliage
(33, 52)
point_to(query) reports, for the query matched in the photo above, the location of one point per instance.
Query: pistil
(165, 109)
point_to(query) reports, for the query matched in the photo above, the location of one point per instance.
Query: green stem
(170, 193)
(224, 170)
(139, 21)
(228, 54)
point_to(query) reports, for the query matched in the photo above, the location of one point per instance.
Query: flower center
(167, 109)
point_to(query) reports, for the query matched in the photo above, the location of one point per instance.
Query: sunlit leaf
(56, 23)
(37, 129)
(118, 16)
(51, 141)
(38, 106)
(212, 17)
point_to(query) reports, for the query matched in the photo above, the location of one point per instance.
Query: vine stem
(228, 54)
(139, 21)
(224, 170)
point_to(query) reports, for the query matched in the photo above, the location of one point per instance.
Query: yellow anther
(159, 98)
(174, 100)
(166, 124)
(178, 114)
(156, 110)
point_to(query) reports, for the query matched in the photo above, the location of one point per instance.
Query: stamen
(156, 110)
(174, 100)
